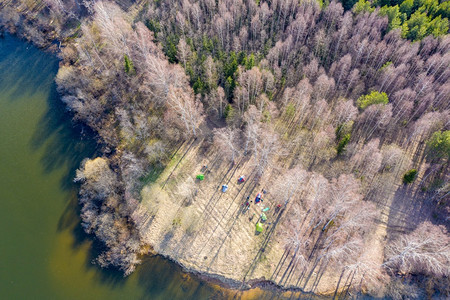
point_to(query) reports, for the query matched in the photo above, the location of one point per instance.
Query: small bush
(343, 143)
(409, 176)
(374, 97)
(176, 222)
(439, 145)
(343, 129)
(129, 67)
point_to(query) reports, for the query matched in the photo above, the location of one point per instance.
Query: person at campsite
(277, 208)
(247, 204)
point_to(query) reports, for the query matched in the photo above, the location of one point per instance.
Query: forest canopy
(340, 109)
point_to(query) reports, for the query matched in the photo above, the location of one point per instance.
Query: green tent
(200, 177)
(263, 217)
(259, 227)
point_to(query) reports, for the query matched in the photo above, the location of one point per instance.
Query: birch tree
(424, 251)
(227, 142)
(184, 110)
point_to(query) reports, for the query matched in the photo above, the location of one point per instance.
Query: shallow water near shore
(44, 252)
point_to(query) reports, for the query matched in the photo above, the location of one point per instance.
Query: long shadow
(280, 264)
(176, 166)
(63, 145)
(36, 68)
(66, 143)
(407, 210)
(263, 246)
(218, 222)
(207, 211)
(236, 213)
(70, 220)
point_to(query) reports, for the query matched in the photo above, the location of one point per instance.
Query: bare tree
(187, 190)
(227, 141)
(267, 147)
(289, 185)
(99, 180)
(183, 109)
(250, 87)
(424, 251)
(184, 52)
(368, 160)
(393, 158)
(252, 131)
(345, 112)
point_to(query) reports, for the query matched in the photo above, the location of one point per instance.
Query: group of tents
(259, 225)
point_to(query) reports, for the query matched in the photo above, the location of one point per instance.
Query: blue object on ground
(224, 188)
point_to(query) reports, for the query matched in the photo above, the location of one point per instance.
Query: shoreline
(323, 135)
(216, 279)
(242, 286)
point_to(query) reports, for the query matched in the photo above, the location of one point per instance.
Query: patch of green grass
(176, 222)
(153, 175)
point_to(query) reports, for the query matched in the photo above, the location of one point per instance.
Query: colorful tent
(263, 217)
(258, 198)
(200, 177)
(259, 227)
(224, 188)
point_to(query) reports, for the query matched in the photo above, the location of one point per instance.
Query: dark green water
(43, 252)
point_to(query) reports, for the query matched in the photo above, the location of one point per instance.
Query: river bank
(51, 46)
(44, 216)
(166, 175)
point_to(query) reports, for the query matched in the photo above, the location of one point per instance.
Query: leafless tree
(393, 158)
(227, 142)
(289, 185)
(266, 149)
(424, 251)
(367, 161)
(99, 180)
(187, 190)
(183, 109)
(184, 52)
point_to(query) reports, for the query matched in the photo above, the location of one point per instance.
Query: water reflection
(47, 255)
(66, 143)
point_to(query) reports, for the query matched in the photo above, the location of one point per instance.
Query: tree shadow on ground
(408, 210)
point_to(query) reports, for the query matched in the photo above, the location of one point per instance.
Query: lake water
(44, 254)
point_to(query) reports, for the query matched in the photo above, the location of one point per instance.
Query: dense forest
(349, 102)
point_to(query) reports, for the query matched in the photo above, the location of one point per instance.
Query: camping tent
(224, 188)
(258, 198)
(259, 227)
(263, 217)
